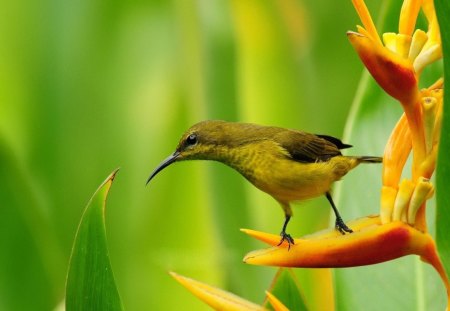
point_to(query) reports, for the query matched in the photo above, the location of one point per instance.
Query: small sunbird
(289, 165)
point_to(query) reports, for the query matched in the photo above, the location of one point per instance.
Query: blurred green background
(89, 86)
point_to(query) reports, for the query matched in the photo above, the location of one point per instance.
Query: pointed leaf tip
(90, 281)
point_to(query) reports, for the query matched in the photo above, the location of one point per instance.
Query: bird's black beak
(170, 159)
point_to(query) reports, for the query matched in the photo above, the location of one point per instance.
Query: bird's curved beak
(169, 160)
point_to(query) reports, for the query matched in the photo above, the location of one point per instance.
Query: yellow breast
(269, 168)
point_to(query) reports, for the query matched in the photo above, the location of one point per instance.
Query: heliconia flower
(396, 60)
(370, 243)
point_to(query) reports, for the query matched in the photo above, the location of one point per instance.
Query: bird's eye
(191, 139)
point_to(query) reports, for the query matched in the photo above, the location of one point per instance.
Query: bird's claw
(286, 237)
(342, 227)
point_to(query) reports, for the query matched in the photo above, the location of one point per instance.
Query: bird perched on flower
(289, 165)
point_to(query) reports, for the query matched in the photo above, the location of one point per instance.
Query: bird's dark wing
(339, 144)
(306, 147)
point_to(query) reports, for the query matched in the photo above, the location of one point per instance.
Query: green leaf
(31, 263)
(443, 165)
(285, 287)
(90, 281)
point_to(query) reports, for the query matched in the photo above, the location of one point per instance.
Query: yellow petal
(215, 297)
(408, 16)
(276, 304)
(396, 153)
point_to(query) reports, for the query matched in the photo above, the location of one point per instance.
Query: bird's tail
(368, 159)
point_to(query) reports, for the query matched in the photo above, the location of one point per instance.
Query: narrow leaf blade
(90, 281)
(443, 165)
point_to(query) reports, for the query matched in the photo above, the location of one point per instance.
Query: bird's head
(199, 142)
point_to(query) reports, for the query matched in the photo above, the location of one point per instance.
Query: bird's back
(300, 146)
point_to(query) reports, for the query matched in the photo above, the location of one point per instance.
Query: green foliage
(30, 264)
(286, 288)
(90, 280)
(443, 165)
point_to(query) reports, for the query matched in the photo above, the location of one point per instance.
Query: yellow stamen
(423, 191)
(390, 41)
(418, 41)
(429, 117)
(402, 200)
(403, 44)
(438, 120)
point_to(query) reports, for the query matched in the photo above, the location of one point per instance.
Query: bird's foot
(342, 227)
(286, 237)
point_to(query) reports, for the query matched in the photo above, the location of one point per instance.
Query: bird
(289, 165)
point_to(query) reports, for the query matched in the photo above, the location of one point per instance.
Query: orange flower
(396, 62)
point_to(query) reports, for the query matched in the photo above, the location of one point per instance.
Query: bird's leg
(283, 234)
(340, 224)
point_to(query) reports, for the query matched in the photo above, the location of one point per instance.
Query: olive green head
(200, 142)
